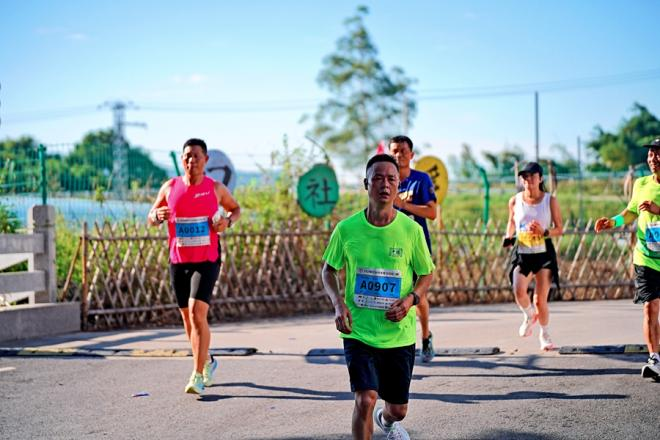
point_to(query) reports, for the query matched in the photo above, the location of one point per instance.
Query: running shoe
(427, 349)
(651, 368)
(209, 371)
(546, 342)
(195, 384)
(394, 432)
(526, 326)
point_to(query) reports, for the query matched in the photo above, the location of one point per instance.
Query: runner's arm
(343, 318)
(605, 223)
(229, 204)
(159, 211)
(511, 224)
(555, 213)
(429, 210)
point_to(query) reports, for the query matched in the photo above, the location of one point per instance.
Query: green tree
(89, 165)
(616, 151)
(19, 165)
(366, 102)
(464, 165)
(502, 162)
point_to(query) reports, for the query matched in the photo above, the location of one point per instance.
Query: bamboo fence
(125, 277)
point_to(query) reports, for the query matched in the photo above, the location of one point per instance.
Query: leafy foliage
(616, 151)
(366, 100)
(88, 167)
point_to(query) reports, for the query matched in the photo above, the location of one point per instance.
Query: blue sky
(253, 66)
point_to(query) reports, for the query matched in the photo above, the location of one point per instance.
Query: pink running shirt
(191, 238)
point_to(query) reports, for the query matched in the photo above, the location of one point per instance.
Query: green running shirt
(647, 250)
(379, 268)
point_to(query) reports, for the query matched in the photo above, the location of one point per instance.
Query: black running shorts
(532, 263)
(386, 370)
(194, 280)
(647, 284)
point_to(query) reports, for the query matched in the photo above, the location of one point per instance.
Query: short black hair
(381, 158)
(194, 141)
(399, 140)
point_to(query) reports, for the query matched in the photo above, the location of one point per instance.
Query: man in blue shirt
(417, 200)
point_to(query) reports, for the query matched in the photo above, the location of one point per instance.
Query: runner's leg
(651, 326)
(363, 425)
(200, 332)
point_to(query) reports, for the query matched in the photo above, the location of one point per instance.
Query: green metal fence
(82, 180)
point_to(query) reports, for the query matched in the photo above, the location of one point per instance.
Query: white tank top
(524, 213)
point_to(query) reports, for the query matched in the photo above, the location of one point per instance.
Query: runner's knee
(365, 401)
(397, 412)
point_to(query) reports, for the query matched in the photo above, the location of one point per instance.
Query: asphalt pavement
(284, 379)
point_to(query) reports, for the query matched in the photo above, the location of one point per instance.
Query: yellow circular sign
(435, 168)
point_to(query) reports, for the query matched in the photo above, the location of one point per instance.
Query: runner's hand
(535, 228)
(398, 310)
(162, 213)
(603, 223)
(221, 224)
(648, 205)
(343, 318)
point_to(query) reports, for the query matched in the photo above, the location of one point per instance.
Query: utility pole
(536, 124)
(119, 145)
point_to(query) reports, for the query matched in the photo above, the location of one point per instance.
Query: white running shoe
(195, 384)
(394, 432)
(651, 368)
(525, 329)
(209, 371)
(546, 342)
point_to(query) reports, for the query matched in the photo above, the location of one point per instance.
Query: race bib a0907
(377, 288)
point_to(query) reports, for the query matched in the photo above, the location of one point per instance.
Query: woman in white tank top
(534, 217)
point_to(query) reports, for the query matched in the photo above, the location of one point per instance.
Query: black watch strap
(415, 298)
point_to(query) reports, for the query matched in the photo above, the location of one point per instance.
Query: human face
(653, 159)
(531, 181)
(194, 160)
(402, 153)
(383, 182)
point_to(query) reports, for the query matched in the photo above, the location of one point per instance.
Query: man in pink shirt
(190, 206)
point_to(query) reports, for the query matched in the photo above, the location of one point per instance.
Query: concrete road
(279, 393)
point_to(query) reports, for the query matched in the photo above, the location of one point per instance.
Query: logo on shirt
(202, 194)
(396, 252)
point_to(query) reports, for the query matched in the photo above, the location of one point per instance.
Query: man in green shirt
(379, 248)
(644, 206)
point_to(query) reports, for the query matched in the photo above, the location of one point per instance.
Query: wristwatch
(415, 298)
(546, 233)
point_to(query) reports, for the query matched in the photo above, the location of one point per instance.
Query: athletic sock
(544, 329)
(385, 422)
(654, 355)
(528, 312)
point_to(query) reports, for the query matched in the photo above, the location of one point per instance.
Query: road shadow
(297, 393)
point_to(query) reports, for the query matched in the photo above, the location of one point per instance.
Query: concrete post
(41, 219)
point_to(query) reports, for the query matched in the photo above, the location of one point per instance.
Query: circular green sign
(318, 191)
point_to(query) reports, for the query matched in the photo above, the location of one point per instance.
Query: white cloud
(77, 36)
(61, 32)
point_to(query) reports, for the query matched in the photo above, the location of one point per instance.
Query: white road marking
(4, 369)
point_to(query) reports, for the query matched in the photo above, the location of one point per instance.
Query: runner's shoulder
(419, 175)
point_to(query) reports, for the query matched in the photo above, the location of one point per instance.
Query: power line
(493, 91)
